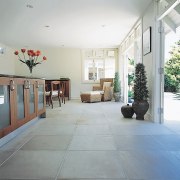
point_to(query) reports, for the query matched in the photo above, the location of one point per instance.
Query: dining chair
(53, 93)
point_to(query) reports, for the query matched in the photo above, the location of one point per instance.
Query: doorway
(172, 76)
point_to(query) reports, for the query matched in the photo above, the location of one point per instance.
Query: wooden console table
(21, 100)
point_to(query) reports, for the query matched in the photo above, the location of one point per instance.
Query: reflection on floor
(93, 141)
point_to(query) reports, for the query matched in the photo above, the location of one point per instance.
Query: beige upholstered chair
(106, 88)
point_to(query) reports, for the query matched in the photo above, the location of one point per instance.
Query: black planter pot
(140, 108)
(127, 111)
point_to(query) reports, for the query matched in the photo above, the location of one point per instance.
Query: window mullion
(94, 70)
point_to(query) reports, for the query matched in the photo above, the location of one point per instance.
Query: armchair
(106, 88)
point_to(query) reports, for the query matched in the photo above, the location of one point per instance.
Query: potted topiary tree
(141, 93)
(117, 87)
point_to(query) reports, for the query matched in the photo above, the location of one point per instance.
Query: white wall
(7, 61)
(61, 62)
(148, 20)
(152, 63)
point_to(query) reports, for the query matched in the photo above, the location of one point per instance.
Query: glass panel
(4, 106)
(20, 102)
(41, 96)
(31, 99)
(98, 69)
(109, 67)
(89, 69)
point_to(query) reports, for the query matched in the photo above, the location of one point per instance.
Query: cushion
(106, 84)
(91, 92)
(47, 93)
(55, 93)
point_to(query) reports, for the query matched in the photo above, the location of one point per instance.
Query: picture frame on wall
(147, 41)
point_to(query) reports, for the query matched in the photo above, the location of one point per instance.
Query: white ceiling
(72, 23)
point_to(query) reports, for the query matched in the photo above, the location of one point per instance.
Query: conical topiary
(140, 83)
(117, 87)
(116, 82)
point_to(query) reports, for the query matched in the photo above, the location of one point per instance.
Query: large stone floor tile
(55, 130)
(61, 114)
(169, 142)
(46, 142)
(157, 129)
(119, 120)
(5, 155)
(174, 126)
(58, 120)
(32, 165)
(140, 129)
(92, 121)
(98, 142)
(17, 142)
(149, 165)
(92, 164)
(137, 142)
(92, 130)
(129, 130)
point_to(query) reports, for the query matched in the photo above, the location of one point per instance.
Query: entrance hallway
(92, 141)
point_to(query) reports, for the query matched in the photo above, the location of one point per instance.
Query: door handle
(27, 84)
(37, 84)
(12, 85)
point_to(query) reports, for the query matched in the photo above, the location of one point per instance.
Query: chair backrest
(46, 87)
(102, 80)
(55, 86)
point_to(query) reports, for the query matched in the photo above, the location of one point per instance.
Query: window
(109, 68)
(96, 68)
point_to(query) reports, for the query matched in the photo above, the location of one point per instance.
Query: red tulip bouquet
(32, 59)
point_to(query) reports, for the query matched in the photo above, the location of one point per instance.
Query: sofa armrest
(97, 88)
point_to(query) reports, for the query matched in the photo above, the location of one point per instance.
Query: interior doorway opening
(172, 76)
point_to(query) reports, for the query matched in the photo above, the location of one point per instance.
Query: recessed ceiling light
(29, 6)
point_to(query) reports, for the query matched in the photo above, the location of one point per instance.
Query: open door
(172, 76)
(169, 18)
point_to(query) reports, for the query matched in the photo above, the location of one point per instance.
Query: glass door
(172, 76)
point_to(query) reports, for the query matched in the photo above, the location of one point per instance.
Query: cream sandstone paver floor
(93, 141)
